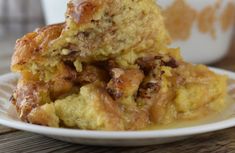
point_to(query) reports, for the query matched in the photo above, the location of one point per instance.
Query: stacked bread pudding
(109, 67)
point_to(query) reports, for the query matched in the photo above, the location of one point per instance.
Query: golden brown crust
(82, 11)
(27, 97)
(33, 44)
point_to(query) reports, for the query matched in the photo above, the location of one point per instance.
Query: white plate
(137, 138)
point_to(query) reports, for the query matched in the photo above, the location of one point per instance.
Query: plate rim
(115, 135)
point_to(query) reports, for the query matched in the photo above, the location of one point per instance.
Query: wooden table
(216, 142)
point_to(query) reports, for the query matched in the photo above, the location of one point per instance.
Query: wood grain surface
(216, 142)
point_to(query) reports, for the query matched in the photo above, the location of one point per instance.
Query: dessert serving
(109, 67)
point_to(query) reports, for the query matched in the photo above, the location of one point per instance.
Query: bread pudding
(109, 67)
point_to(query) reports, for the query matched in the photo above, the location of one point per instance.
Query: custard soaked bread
(108, 67)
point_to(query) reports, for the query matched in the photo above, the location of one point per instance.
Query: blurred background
(18, 17)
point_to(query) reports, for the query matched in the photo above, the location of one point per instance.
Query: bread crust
(82, 11)
(33, 44)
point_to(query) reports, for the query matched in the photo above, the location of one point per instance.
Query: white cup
(198, 48)
(201, 47)
(54, 10)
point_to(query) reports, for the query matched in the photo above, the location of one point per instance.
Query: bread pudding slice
(95, 30)
(108, 67)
